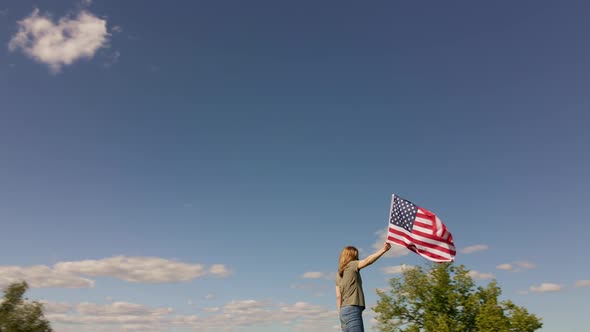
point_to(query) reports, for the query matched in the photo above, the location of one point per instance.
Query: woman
(350, 298)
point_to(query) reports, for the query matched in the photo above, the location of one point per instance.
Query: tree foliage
(18, 314)
(445, 298)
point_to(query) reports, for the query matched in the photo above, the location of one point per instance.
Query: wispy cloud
(142, 269)
(42, 276)
(131, 269)
(480, 275)
(583, 283)
(475, 248)
(299, 316)
(319, 275)
(546, 288)
(60, 43)
(116, 313)
(120, 308)
(253, 313)
(56, 307)
(516, 266)
(112, 59)
(219, 270)
(312, 275)
(397, 269)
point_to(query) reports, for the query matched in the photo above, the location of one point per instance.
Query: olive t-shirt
(351, 285)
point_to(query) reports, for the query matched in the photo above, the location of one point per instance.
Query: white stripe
(424, 248)
(431, 250)
(422, 229)
(439, 227)
(424, 221)
(423, 212)
(421, 238)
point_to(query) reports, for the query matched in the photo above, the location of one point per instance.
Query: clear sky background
(199, 165)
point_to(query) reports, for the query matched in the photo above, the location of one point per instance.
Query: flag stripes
(427, 236)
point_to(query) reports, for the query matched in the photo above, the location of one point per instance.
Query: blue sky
(199, 165)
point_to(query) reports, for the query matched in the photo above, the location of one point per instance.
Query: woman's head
(347, 255)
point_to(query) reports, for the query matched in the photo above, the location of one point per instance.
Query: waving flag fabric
(420, 231)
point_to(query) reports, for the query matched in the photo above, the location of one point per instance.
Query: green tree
(18, 314)
(445, 298)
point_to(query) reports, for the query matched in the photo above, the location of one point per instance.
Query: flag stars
(403, 214)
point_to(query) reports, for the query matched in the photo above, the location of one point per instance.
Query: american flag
(420, 231)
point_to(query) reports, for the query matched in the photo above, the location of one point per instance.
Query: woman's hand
(386, 246)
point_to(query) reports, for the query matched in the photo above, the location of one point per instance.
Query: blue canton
(403, 214)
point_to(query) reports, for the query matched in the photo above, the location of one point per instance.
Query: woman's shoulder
(353, 265)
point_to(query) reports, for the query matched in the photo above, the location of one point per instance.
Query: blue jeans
(351, 318)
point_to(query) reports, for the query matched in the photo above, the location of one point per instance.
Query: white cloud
(235, 315)
(139, 269)
(124, 314)
(525, 265)
(319, 275)
(546, 288)
(219, 270)
(518, 266)
(120, 308)
(56, 307)
(244, 307)
(110, 319)
(132, 269)
(41, 276)
(60, 43)
(140, 327)
(395, 251)
(117, 29)
(313, 275)
(475, 248)
(397, 269)
(480, 275)
(583, 283)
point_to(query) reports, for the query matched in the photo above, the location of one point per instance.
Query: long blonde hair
(347, 255)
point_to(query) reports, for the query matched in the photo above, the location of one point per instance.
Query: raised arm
(373, 257)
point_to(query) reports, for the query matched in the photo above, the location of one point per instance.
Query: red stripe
(451, 253)
(425, 216)
(421, 224)
(435, 256)
(425, 244)
(398, 241)
(433, 237)
(418, 251)
(424, 211)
